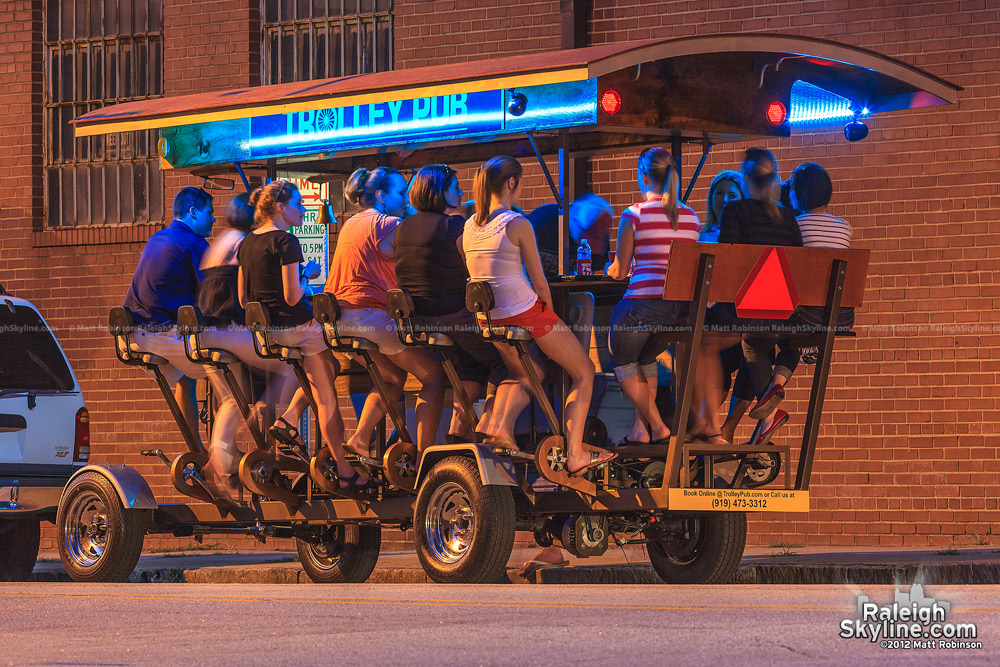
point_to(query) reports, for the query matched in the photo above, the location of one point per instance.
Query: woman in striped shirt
(810, 192)
(645, 234)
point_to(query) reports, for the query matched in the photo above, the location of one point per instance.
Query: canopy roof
(713, 88)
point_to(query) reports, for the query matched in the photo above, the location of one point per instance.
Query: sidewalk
(760, 565)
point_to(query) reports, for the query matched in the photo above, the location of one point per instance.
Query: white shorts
(167, 344)
(308, 337)
(239, 341)
(372, 324)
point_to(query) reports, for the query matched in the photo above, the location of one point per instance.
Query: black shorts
(475, 359)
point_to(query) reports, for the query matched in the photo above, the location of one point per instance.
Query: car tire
(341, 554)
(99, 539)
(464, 530)
(19, 539)
(698, 548)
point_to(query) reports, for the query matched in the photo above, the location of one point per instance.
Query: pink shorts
(538, 320)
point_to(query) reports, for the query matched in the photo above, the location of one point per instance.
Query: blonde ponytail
(658, 165)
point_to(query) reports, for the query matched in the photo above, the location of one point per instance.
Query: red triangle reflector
(768, 292)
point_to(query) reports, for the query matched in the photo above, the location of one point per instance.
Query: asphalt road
(167, 624)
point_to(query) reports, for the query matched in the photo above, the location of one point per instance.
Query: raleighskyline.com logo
(910, 621)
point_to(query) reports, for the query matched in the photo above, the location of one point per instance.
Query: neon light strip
(812, 104)
(412, 127)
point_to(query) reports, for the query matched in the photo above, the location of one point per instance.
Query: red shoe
(768, 402)
(780, 417)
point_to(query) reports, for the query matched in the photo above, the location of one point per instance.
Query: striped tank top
(653, 235)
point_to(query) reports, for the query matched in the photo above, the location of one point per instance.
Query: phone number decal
(738, 500)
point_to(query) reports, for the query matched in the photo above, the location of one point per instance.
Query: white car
(44, 432)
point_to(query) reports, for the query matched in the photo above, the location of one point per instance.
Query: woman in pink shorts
(499, 247)
(363, 270)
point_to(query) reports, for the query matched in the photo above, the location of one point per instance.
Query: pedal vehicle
(467, 500)
(44, 432)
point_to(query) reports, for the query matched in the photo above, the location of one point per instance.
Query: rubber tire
(492, 543)
(19, 539)
(358, 556)
(126, 531)
(718, 558)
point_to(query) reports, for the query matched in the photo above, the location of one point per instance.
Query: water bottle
(583, 259)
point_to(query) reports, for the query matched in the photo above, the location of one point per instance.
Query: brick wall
(908, 449)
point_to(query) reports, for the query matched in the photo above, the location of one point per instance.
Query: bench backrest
(809, 268)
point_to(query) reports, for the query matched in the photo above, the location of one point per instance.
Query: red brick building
(908, 452)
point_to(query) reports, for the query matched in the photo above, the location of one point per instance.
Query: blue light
(345, 135)
(412, 121)
(812, 105)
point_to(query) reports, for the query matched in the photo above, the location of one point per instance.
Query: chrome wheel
(556, 458)
(85, 527)
(450, 525)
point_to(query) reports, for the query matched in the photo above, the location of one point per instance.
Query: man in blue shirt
(167, 278)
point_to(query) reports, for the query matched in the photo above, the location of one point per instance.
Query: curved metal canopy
(707, 88)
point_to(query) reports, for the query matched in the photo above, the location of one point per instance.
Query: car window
(30, 357)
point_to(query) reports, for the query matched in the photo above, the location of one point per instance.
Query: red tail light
(81, 442)
(611, 102)
(776, 113)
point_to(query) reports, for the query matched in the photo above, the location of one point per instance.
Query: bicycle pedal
(760, 464)
(366, 461)
(294, 452)
(513, 453)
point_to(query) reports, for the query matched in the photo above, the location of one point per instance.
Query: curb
(983, 573)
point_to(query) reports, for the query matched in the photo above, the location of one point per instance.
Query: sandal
(596, 461)
(353, 486)
(286, 434)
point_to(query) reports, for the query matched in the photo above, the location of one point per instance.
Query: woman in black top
(755, 220)
(430, 267)
(269, 272)
(218, 300)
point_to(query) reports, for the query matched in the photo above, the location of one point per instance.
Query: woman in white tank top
(491, 256)
(499, 247)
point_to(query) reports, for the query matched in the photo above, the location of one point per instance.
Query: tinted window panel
(30, 358)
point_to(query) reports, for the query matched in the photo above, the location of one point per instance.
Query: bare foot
(357, 445)
(502, 440)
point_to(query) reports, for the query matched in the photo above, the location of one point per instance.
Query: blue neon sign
(398, 122)
(422, 119)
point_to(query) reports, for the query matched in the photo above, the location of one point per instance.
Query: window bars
(98, 53)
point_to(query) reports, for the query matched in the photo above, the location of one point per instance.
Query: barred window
(318, 39)
(98, 53)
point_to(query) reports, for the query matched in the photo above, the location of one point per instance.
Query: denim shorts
(638, 328)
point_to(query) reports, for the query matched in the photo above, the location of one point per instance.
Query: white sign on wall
(314, 237)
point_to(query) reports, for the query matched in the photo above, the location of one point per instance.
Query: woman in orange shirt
(363, 270)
